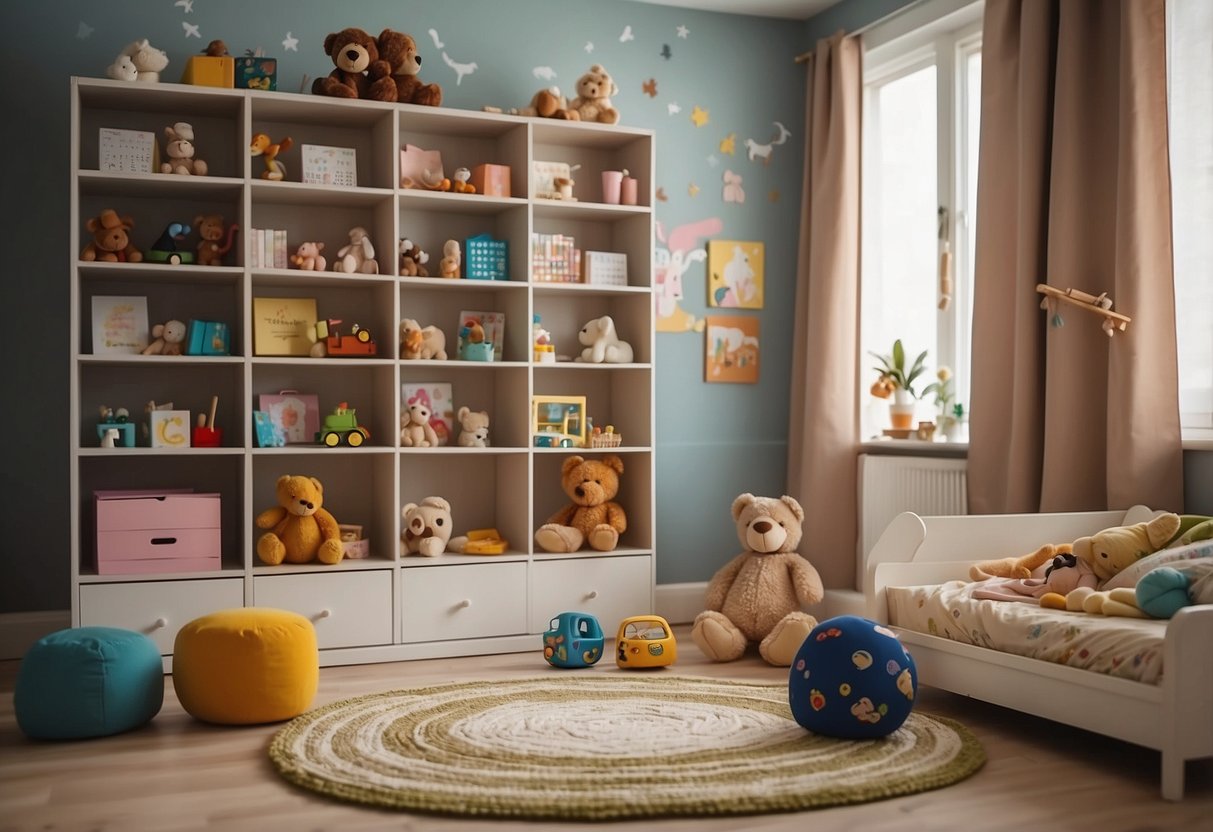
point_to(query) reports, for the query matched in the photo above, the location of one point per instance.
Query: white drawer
(439, 603)
(608, 588)
(348, 608)
(157, 609)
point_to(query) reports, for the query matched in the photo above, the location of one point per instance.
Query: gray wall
(714, 441)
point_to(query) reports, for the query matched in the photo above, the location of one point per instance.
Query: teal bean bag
(88, 682)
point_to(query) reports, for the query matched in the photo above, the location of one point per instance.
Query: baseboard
(18, 630)
(680, 603)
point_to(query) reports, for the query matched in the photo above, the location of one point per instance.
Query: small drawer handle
(322, 614)
(163, 541)
(160, 624)
(591, 595)
(464, 604)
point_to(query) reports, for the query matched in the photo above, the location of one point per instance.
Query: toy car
(645, 641)
(342, 426)
(573, 639)
(358, 342)
(165, 250)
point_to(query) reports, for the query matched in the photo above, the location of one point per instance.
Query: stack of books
(267, 248)
(555, 258)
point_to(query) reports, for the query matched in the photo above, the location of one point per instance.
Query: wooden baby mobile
(1099, 305)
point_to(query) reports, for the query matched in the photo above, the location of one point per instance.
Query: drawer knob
(464, 604)
(322, 614)
(160, 624)
(591, 595)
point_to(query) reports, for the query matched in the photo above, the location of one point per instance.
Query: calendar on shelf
(329, 165)
(127, 151)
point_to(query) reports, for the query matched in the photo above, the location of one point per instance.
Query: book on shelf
(119, 325)
(283, 326)
(267, 248)
(555, 258)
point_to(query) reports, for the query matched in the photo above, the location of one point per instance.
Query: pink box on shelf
(171, 530)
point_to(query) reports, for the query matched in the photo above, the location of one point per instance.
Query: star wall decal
(683, 31)
(290, 43)
(589, 46)
(773, 196)
(665, 51)
(650, 87)
(729, 144)
(672, 108)
(661, 197)
(627, 35)
(187, 6)
(693, 189)
(84, 30)
(699, 116)
(191, 30)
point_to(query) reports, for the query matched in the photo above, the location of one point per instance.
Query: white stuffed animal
(602, 344)
(122, 69)
(359, 256)
(148, 60)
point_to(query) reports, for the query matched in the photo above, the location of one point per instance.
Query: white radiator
(889, 485)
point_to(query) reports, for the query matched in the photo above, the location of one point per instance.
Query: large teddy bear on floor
(593, 516)
(301, 530)
(758, 595)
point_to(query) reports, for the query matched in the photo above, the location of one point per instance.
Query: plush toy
(427, 528)
(593, 517)
(473, 428)
(122, 69)
(269, 151)
(602, 344)
(1047, 586)
(415, 428)
(359, 72)
(1111, 550)
(212, 246)
(413, 260)
(758, 595)
(359, 256)
(300, 529)
(452, 259)
(549, 103)
(169, 336)
(180, 151)
(460, 183)
(111, 241)
(308, 257)
(1013, 567)
(400, 51)
(593, 101)
(147, 60)
(417, 341)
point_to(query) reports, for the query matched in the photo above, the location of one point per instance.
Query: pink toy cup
(628, 191)
(611, 181)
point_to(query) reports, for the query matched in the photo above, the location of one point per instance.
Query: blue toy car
(573, 639)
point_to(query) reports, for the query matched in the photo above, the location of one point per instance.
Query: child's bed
(1172, 714)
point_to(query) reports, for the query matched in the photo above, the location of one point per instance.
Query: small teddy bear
(359, 256)
(180, 151)
(169, 336)
(473, 428)
(415, 428)
(413, 259)
(211, 243)
(111, 241)
(308, 257)
(602, 344)
(593, 101)
(452, 259)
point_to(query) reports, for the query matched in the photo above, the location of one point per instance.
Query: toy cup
(628, 191)
(207, 437)
(611, 181)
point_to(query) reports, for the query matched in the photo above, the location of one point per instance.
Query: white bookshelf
(386, 607)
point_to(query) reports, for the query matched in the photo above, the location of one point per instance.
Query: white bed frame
(1173, 717)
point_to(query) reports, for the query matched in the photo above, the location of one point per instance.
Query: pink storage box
(141, 532)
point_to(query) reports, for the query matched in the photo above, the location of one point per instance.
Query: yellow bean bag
(245, 666)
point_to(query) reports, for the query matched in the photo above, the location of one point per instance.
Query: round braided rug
(605, 746)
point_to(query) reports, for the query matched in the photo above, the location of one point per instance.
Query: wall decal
(773, 196)
(670, 263)
(735, 274)
(729, 144)
(712, 160)
(699, 115)
(732, 188)
(434, 37)
(290, 43)
(626, 35)
(84, 30)
(683, 31)
(672, 108)
(650, 87)
(589, 46)
(763, 151)
(187, 6)
(460, 69)
(544, 72)
(191, 30)
(661, 197)
(693, 189)
(665, 51)
(732, 350)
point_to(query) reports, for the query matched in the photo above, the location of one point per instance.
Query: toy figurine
(309, 258)
(452, 259)
(268, 151)
(211, 244)
(165, 249)
(413, 260)
(115, 428)
(461, 185)
(180, 151)
(359, 256)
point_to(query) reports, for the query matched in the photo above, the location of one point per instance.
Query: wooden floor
(178, 774)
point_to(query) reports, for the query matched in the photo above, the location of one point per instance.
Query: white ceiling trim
(787, 9)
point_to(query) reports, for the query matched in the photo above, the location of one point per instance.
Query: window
(1190, 118)
(922, 89)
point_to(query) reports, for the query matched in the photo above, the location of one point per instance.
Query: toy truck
(342, 426)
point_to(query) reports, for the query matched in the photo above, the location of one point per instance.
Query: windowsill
(1197, 439)
(915, 447)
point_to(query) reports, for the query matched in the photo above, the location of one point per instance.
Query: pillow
(1164, 591)
(1167, 557)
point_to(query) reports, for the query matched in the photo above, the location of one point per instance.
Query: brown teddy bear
(300, 529)
(413, 260)
(211, 245)
(400, 51)
(592, 517)
(360, 72)
(549, 103)
(111, 242)
(593, 101)
(757, 596)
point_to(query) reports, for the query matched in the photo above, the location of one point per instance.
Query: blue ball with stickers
(852, 679)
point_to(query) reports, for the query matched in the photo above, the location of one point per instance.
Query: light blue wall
(714, 441)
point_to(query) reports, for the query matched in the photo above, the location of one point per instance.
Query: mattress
(1130, 648)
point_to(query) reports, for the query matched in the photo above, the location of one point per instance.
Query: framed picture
(119, 325)
(732, 349)
(544, 176)
(437, 397)
(296, 415)
(558, 421)
(735, 274)
(283, 326)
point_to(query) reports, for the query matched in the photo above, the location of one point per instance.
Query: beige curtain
(1073, 191)
(823, 423)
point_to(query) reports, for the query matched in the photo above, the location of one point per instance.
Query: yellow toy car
(645, 641)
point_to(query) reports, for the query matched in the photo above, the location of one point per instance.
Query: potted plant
(895, 379)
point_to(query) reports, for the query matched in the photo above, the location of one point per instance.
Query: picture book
(436, 396)
(119, 325)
